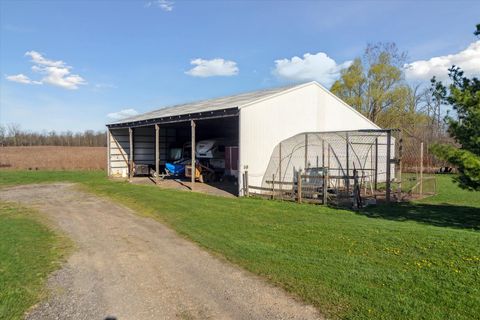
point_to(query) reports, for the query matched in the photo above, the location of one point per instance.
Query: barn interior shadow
(440, 215)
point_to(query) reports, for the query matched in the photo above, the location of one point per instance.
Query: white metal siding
(119, 146)
(308, 108)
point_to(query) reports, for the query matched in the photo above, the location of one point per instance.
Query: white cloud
(319, 67)
(37, 58)
(211, 68)
(55, 73)
(122, 114)
(165, 5)
(105, 86)
(468, 60)
(21, 78)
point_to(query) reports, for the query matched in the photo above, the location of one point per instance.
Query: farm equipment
(202, 173)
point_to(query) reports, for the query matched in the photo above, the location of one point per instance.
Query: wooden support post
(244, 188)
(194, 167)
(375, 178)
(299, 186)
(421, 168)
(157, 153)
(347, 164)
(306, 151)
(109, 165)
(388, 173)
(130, 159)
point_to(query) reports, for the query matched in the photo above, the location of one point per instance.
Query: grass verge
(29, 251)
(418, 260)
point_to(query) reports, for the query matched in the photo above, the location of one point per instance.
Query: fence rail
(301, 190)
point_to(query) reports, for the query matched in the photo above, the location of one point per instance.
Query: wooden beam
(157, 153)
(130, 160)
(194, 168)
(108, 153)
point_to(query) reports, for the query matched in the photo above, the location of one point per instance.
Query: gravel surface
(129, 267)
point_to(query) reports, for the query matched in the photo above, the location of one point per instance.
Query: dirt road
(130, 267)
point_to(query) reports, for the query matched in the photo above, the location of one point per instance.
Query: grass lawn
(404, 261)
(29, 251)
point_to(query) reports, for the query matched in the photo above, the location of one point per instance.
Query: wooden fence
(306, 188)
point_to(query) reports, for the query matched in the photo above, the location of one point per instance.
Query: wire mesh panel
(417, 168)
(329, 166)
(345, 168)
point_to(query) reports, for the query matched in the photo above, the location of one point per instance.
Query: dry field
(52, 157)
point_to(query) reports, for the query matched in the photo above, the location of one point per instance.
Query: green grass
(29, 251)
(403, 261)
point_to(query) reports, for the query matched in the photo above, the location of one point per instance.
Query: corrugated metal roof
(235, 101)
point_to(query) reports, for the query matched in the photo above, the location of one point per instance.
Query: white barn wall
(265, 123)
(119, 151)
(306, 108)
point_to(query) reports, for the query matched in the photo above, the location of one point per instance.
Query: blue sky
(67, 65)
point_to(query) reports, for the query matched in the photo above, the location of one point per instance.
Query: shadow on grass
(440, 215)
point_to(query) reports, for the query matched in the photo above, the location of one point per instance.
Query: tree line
(444, 116)
(13, 135)
(375, 85)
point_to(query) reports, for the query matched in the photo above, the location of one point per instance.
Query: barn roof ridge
(212, 104)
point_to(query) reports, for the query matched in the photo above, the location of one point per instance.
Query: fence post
(280, 168)
(306, 150)
(375, 179)
(389, 167)
(323, 153)
(400, 155)
(328, 156)
(245, 179)
(421, 168)
(347, 165)
(299, 186)
(273, 186)
(325, 185)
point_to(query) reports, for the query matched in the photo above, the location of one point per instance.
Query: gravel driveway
(129, 267)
